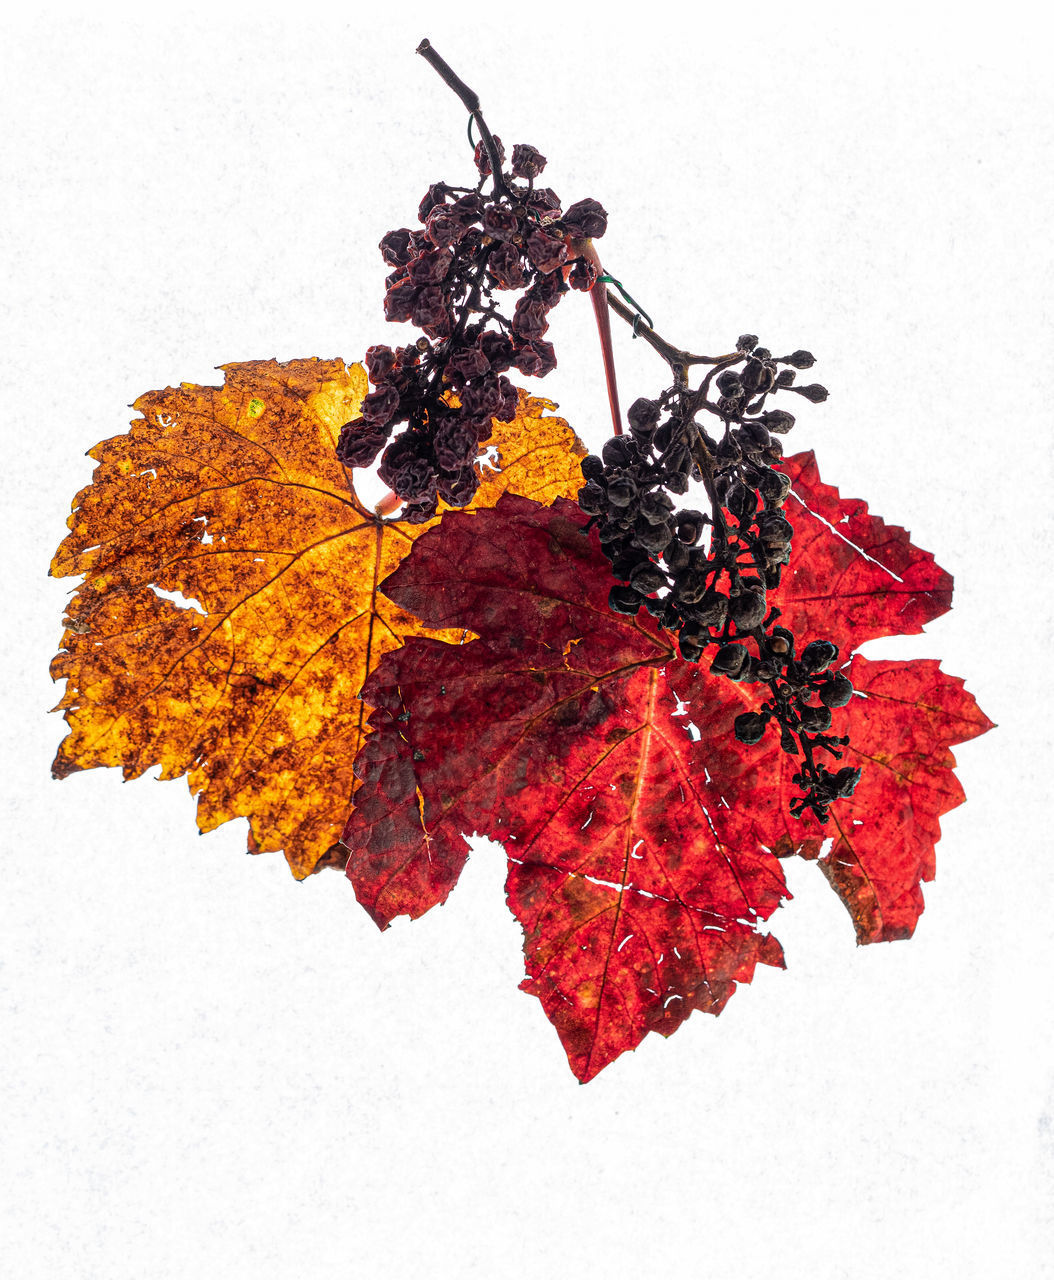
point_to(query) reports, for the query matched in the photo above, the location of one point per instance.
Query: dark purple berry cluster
(448, 278)
(705, 576)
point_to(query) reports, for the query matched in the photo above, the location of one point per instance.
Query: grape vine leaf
(642, 855)
(231, 500)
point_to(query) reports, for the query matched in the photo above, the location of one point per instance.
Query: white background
(210, 1070)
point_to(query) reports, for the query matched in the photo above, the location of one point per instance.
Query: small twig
(470, 101)
(678, 360)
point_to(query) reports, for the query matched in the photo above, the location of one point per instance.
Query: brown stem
(701, 454)
(677, 359)
(470, 101)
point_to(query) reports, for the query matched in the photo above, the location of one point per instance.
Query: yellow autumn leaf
(229, 612)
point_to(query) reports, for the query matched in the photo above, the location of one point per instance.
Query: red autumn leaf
(901, 726)
(852, 577)
(641, 860)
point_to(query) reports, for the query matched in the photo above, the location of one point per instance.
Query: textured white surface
(213, 1071)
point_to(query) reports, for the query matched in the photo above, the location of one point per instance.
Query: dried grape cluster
(706, 576)
(449, 385)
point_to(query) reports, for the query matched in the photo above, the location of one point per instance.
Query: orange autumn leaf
(229, 612)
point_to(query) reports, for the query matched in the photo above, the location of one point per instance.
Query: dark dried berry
(379, 406)
(689, 586)
(654, 538)
(482, 398)
(729, 385)
(592, 466)
(692, 645)
(728, 451)
(746, 342)
(592, 499)
(396, 247)
(444, 228)
(624, 600)
(753, 435)
(380, 362)
(813, 392)
(621, 491)
(711, 610)
(815, 719)
(536, 359)
(778, 420)
(729, 660)
(675, 554)
(456, 446)
(483, 159)
(748, 609)
(435, 195)
(500, 223)
(360, 442)
(774, 486)
(431, 267)
(465, 364)
(655, 506)
(399, 301)
(583, 274)
(419, 512)
(774, 527)
(430, 309)
(546, 252)
(643, 416)
(498, 351)
(414, 482)
(689, 526)
(750, 727)
(742, 502)
(548, 289)
(544, 201)
(844, 781)
(586, 218)
(460, 489)
(527, 161)
(469, 208)
(530, 319)
(505, 266)
(818, 655)
(510, 396)
(837, 691)
(648, 577)
(619, 452)
(799, 359)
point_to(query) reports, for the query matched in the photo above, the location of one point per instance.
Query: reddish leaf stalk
(389, 503)
(598, 295)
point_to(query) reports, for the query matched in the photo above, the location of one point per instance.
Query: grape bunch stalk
(704, 576)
